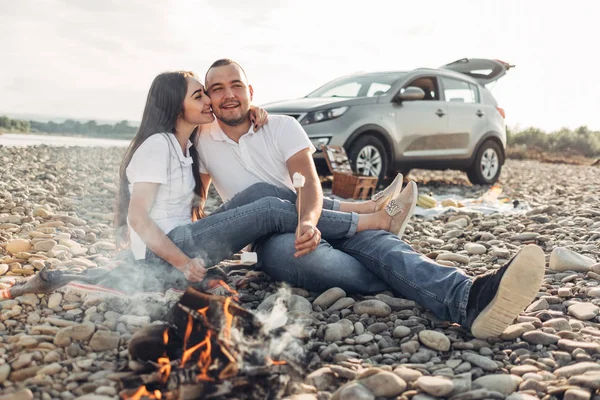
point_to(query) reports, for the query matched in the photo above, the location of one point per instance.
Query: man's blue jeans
(368, 262)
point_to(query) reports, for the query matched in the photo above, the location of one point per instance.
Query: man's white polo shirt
(159, 159)
(258, 157)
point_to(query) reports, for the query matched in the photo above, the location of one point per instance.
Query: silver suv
(425, 118)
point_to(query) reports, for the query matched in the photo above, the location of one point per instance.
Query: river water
(22, 140)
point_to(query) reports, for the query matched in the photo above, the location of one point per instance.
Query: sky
(95, 59)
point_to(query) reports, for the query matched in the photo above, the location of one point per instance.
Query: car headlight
(323, 115)
(319, 141)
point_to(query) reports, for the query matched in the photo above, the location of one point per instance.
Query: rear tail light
(501, 111)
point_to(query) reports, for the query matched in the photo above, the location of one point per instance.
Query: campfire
(209, 347)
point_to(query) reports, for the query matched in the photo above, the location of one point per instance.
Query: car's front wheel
(368, 156)
(487, 165)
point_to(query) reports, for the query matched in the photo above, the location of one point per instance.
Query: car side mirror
(410, 93)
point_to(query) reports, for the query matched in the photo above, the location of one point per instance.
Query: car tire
(369, 157)
(487, 165)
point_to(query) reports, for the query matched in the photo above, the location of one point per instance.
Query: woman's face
(196, 106)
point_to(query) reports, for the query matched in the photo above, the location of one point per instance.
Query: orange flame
(276, 362)
(165, 368)
(188, 332)
(227, 287)
(205, 358)
(228, 319)
(143, 392)
(166, 336)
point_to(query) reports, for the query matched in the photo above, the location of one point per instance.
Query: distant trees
(581, 141)
(69, 126)
(13, 125)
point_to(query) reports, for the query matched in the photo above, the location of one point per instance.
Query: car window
(457, 91)
(377, 89)
(349, 89)
(359, 85)
(428, 84)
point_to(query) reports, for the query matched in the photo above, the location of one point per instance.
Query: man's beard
(234, 121)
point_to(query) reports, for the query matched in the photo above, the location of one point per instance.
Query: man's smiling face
(230, 94)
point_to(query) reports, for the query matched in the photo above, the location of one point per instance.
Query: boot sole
(411, 210)
(518, 288)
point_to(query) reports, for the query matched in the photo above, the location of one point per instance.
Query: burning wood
(210, 344)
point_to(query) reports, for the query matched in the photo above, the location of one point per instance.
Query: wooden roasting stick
(298, 180)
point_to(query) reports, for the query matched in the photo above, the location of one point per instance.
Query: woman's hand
(194, 270)
(259, 117)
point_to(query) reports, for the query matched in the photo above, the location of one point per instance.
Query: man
(370, 261)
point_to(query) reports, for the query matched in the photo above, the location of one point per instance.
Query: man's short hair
(223, 62)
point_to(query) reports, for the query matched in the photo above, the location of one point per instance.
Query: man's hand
(194, 270)
(308, 239)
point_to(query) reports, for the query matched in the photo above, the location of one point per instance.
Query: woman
(160, 201)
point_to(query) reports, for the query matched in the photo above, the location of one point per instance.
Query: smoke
(282, 334)
(276, 317)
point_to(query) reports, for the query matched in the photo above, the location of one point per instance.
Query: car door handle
(479, 113)
(440, 113)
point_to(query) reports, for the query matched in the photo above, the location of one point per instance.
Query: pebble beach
(56, 208)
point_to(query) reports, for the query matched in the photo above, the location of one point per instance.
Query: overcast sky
(96, 58)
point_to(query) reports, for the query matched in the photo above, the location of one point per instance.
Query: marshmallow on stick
(298, 180)
(249, 258)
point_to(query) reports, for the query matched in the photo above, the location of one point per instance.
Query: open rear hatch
(482, 70)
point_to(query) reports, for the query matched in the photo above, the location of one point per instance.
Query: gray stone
(395, 303)
(54, 300)
(584, 311)
(479, 394)
(577, 369)
(384, 384)
(459, 258)
(577, 394)
(503, 383)
(342, 304)
(435, 340)
(355, 391)
(329, 297)
(376, 308)
(481, 361)
(322, 378)
(338, 331)
(401, 331)
(407, 374)
(435, 385)
(538, 305)
(462, 383)
(560, 324)
(475, 248)
(105, 340)
(590, 380)
(563, 259)
(4, 372)
(571, 345)
(539, 337)
(521, 396)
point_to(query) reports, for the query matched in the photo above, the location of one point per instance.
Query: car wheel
(368, 157)
(487, 165)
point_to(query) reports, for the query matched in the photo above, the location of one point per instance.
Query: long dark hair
(164, 105)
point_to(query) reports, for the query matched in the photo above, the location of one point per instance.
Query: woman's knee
(263, 189)
(273, 203)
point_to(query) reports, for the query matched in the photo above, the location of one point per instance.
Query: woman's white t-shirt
(159, 159)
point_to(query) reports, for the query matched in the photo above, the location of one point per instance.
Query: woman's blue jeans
(246, 218)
